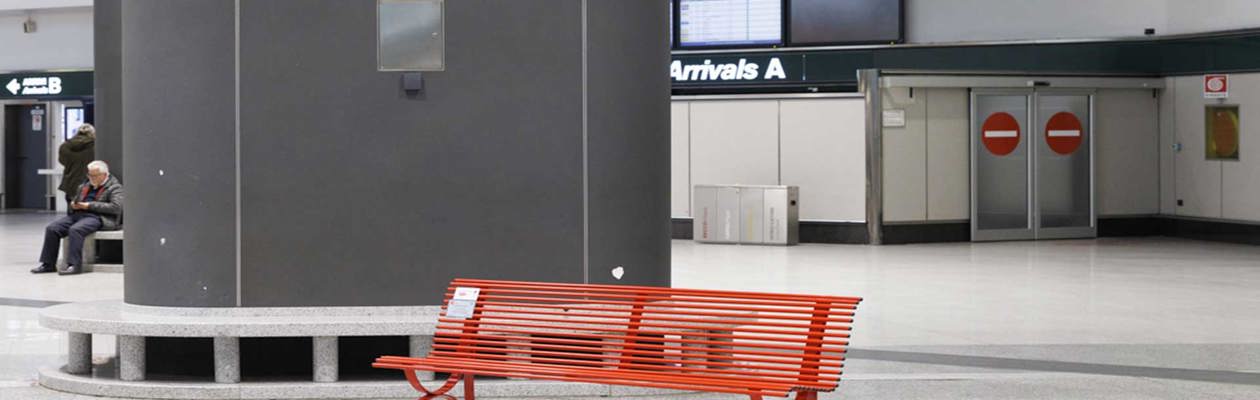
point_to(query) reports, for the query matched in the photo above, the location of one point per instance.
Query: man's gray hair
(87, 129)
(99, 166)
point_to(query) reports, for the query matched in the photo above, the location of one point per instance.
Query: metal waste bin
(746, 214)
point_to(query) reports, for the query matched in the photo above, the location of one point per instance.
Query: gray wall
(107, 42)
(351, 193)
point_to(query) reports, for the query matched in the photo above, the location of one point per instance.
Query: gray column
(421, 346)
(325, 349)
(227, 359)
(131, 358)
(80, 354)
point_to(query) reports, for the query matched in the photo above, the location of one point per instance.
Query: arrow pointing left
(13, 86)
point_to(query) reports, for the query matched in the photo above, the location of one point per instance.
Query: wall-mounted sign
(1064, 133)
(40, 85)
(702, 70)
(1216, 86)
(1221, 132)
(1000, 133)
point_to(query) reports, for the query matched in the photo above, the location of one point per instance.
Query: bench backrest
(795, 341)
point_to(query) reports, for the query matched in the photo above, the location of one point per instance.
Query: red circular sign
(1000, 133)
(1064, 133)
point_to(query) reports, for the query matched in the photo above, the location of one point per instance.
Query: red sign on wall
(1064, 133)
(1215, 86)
(1000, 133)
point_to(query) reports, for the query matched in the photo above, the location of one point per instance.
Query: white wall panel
(1126, 136)
(1198, 180)
(63, 40)
(680, 159)
(948, 155)
(735, 142)
(1191, 16)
(905, 159)
(824, 152)
(1240, 192)
(985, 20)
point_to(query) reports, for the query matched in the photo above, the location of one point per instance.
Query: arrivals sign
(41, 85)
(707, 70)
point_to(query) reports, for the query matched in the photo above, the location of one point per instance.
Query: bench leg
(227, 359)
(469, 392)
(325, 359)
(806, 395)
(80, 354)
(131, 358)
(427, 394)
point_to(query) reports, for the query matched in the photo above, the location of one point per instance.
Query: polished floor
(1148, 318)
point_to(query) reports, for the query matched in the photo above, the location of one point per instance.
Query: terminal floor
(1141, 318)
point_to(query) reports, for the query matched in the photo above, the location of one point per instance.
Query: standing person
(74, 155)
(97, 205)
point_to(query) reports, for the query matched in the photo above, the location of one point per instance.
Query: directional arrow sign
(13, 86)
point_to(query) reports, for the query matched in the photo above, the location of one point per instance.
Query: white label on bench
(462, 305)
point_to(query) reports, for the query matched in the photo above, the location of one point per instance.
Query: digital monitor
(73, 118)
(712, 23)
(818, 22)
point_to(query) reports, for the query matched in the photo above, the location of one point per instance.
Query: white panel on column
(1126, 147)
(1198, 180)
(824, 153)
(905, 158)
(680, 159)
(735, 142)
(948, 154)
(1240, 194)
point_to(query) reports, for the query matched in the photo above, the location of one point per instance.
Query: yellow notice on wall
(1221, 130)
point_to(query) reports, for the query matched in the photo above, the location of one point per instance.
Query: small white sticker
(895, 118)
(463, 303)
(618, 272)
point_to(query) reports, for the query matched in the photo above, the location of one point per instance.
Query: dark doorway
(25, 153)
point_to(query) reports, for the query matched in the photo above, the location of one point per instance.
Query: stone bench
(89, 252)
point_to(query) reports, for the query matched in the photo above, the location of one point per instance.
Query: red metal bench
(755, 344)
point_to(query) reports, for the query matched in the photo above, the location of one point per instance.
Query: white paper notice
(894, 118)
(462, 305)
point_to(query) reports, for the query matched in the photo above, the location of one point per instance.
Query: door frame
(978, 235)
(50, 145)
(1090, 231)
(1034, 230)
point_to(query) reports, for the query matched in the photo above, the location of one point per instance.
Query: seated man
(97, 206)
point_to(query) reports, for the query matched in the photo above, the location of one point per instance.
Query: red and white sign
(1064, 133)
(1000, 133)
(1215, 86)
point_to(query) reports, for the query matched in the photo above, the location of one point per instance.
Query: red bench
(754, 344)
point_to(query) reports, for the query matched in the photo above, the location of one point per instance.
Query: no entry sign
(1000, 133)
(1064, 133)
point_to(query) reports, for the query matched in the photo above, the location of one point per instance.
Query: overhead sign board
(43, 85)
(705, 70)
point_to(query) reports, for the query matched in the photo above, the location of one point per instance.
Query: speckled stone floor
(1147, 318)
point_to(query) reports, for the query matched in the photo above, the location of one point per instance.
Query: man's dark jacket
(108, 203)
(74, 155)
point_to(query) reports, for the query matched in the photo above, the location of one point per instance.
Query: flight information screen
(704, 23)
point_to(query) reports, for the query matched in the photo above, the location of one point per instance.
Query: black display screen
(818, 22)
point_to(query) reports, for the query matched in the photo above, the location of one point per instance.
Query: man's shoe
(70, 270)
(43, 269)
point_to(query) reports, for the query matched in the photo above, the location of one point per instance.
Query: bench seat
(753, 344)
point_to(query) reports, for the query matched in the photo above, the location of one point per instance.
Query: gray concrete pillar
(227, 359)
(79, 361)
(421, 346)
(131, 358)
(325, 349)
